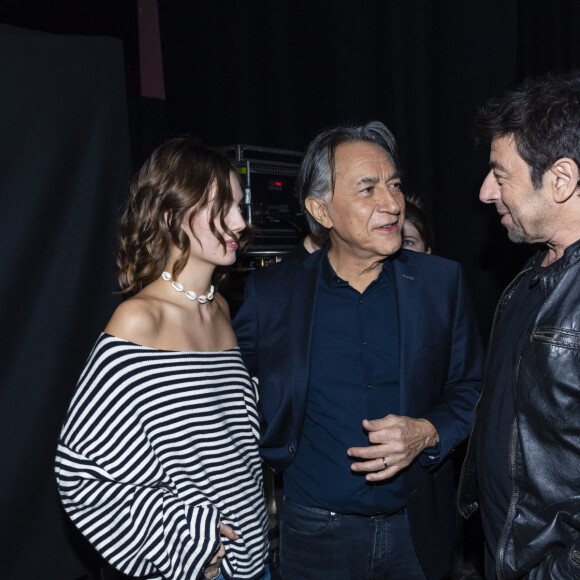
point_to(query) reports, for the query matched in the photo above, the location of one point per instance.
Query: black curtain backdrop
(259, 72)
(548, 39)
(64, 168)
(277, 73)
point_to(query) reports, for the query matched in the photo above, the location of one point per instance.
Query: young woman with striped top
(157, 463)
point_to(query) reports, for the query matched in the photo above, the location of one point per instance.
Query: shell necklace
(190, 294)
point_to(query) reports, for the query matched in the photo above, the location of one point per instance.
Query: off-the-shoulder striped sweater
(157, 449)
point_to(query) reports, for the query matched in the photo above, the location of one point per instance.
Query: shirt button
(369, 386)
(360, 300)
(364, 342)
(291, 448)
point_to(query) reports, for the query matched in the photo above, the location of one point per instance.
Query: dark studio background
(75, 121)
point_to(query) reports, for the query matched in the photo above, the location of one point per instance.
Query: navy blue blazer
(440, 362)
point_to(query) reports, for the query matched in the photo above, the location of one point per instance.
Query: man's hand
(212, 568)
(395, 442)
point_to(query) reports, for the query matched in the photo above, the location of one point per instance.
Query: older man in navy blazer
(369, 368)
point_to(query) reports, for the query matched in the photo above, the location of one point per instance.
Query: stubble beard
(516, 235)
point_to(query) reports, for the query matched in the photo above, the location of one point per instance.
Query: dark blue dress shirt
(354, 375)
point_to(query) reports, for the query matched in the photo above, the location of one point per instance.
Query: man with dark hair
(355, 331)
(522, 467)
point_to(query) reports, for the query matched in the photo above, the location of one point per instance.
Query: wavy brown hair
(179, 176)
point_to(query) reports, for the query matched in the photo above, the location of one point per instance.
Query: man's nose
(390, 202)
(489, 192)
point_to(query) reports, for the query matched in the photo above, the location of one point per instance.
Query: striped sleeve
(115, 489)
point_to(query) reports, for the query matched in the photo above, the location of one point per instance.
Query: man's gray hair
(317, 176)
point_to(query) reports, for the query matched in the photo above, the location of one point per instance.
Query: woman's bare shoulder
(136, 320)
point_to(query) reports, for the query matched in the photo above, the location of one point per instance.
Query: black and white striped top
(157, 449)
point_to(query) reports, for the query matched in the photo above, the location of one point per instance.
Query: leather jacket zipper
(506, 295)
(475, 411)
(501, 545)
(512, 505)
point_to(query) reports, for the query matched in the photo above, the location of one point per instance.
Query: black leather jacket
(541, 534)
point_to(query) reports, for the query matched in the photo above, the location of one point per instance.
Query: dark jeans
(316, 543)
(266, 575)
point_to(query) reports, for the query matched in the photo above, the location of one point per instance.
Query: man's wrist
(431, 439)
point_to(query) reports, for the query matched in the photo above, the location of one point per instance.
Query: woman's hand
(212, 568)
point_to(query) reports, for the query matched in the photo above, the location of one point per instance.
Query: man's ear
(565, 182)
(318, 209)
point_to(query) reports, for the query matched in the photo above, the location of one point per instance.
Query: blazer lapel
(304, 291)
(407, 289)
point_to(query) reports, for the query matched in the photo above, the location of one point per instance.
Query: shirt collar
(333, 280)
